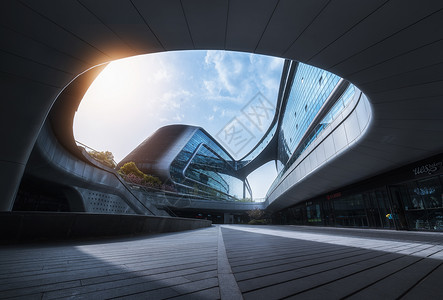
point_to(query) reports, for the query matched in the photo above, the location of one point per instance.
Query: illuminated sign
(427, 169)
(333, 196)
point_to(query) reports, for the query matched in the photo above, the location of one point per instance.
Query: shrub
(132, 174)
(134, 179)
(151, 181)
(105, 157)
(258, 222)
(255, 214)
(131, 168)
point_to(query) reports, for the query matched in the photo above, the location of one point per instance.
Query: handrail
(154, 191)
(119, 177)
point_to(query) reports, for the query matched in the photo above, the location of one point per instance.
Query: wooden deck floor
(231, 262)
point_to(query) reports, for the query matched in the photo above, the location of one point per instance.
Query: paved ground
(231, 262)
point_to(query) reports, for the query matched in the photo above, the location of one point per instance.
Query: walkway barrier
(33, 226)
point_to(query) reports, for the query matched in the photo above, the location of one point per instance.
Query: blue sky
(135, 96)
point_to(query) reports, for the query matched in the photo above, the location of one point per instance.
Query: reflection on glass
(310, 89)
(203, 168)
(350, 211)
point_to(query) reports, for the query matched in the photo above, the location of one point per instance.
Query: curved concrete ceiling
(391, 50)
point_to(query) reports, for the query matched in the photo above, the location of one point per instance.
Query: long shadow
(157, 266)
(275, 267)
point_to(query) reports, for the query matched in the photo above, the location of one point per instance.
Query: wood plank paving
(288, 262)
(230, 262)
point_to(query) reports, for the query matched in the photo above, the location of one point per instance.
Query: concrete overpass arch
(391, 50)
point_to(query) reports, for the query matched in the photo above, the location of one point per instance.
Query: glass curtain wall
(203, 168)
(413, 205)
(368, 209)
(258, 149)
(310, 89)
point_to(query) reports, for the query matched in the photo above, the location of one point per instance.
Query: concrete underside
(391, 50)
(231, 262)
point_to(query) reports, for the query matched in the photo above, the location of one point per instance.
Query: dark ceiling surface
(391, 50)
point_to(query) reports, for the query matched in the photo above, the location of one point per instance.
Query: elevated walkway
(231, 262)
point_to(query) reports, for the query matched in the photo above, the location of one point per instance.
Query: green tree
(148, 180)
(257, 217)
(130, 168)
(152, 181)
(255, 214)
(105, 157)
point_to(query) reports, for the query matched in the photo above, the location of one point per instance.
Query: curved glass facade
(310, 89)
(258, 149)
(336, 109)
(204, 168)
(304, 91)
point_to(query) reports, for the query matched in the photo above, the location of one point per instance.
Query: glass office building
(310, 99)
(310, 88)
(204, 168)
(408, 198)
(190, 162)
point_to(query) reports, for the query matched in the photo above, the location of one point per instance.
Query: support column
(10, 176)
(23, 109)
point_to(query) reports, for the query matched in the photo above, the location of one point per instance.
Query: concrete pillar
(228, 218)
(23, 109)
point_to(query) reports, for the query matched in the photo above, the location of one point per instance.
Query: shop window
(430, 191)
(313, 213)
(372, 210)
(350, 211)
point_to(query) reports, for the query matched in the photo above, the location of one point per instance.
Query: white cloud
(276, 64)
(173, 100)
(140, 94)
(178, 117)
(211, 87)
(161, 74)
(226, 68)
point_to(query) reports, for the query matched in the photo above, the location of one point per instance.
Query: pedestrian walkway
(231, 262)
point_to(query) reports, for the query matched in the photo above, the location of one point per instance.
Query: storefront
(420, 203)
(409, 198)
